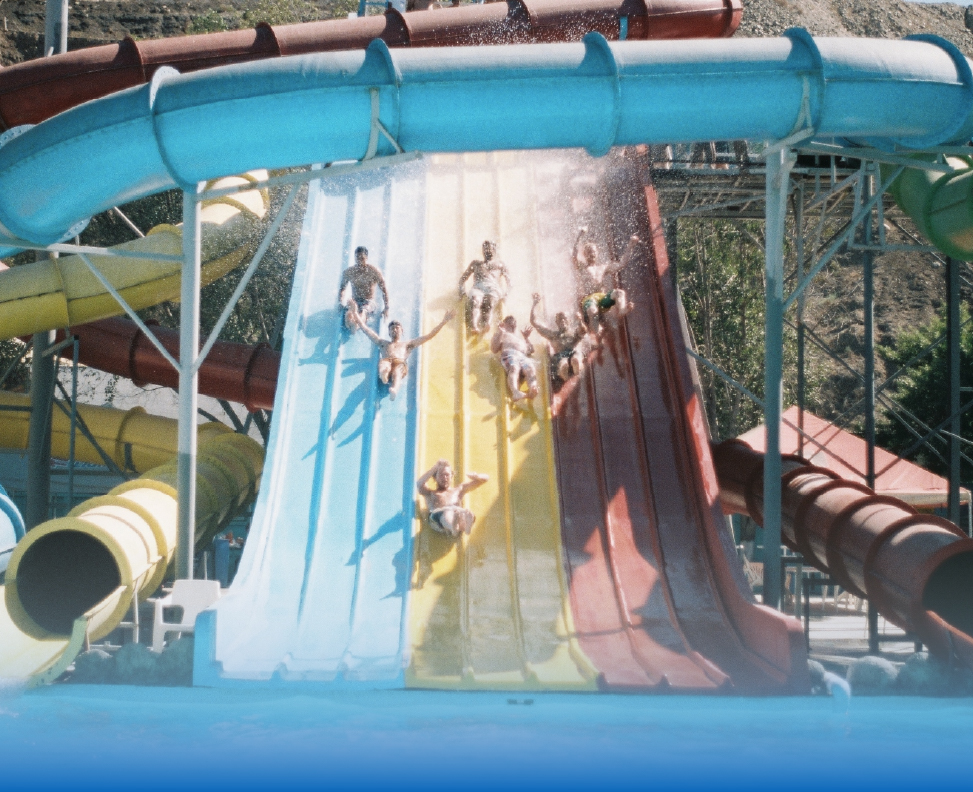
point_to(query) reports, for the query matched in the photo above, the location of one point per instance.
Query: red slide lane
(657, 550)
(620, 600)
(39, 89)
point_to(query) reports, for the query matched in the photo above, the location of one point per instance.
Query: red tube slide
(917, 569)
(236, 372)
(39, 89)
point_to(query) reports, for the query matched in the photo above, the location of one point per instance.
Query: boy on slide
(447, 515)
(393, 365)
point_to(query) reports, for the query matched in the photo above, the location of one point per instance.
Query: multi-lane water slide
(542, 76)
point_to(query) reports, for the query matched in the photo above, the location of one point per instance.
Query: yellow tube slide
(490, 612)
(61, 292)
(113, 548)
(134, 439)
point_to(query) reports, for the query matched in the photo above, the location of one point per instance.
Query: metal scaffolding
(823, 200)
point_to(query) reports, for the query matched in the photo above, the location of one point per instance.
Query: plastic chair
(193, 596)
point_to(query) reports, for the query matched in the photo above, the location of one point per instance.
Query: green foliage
(923, 390)
(20, 374)
(271, 12)
(279, 12)
(721, 278)
(210, 22)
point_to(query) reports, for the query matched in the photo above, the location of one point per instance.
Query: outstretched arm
(415, 342)
(372, 335)
(576, 252)
(475, 480)
(345, 280)
(385, 293)
(463, 278)
(541, 328)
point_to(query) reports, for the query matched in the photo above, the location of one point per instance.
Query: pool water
(157, 738)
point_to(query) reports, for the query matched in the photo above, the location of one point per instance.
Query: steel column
(869, 381)
(779, 164)
(55, 27)
(953, 353)
(42, 372)
(188, 381)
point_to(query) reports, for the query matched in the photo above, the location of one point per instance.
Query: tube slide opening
(949, 592)
(63, 575)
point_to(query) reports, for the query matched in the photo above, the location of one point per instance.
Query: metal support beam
(188, 381)
(42, 370)
(779, 166)
(55, 27)
(869, 382)
(953, 348)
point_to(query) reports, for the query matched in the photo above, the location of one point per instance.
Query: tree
(922, 388)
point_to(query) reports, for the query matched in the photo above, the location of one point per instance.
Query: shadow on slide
(321, 592)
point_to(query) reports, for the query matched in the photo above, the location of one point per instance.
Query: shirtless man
(445, 503)
(393, 364)
(515, 350)
(597, 281)
(490, 285)
(567, 349)
(362, 277)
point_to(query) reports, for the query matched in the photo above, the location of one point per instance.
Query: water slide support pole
(55, 27)
(74, 422)
(42, 366)
(188, 382)
(869, 320)
(779, 164)
(801, 301)
(37, 506)
(953, 397)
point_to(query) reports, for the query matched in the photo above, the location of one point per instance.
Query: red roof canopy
(827, 446)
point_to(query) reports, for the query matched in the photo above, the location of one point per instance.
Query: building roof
(827, 446)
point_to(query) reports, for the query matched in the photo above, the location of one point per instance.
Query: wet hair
(395, 323)
(509, 319)
(362, 250)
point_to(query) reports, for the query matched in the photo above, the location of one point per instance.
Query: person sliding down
(490, 285)
(447, 514)
(597, 282)
(567, 349)
(362, 277)
(514, 350)
(393, 364)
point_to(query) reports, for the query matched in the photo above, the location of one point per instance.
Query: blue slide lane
(321, 592)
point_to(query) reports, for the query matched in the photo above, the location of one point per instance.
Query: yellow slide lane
(55, 293)
(491, 612)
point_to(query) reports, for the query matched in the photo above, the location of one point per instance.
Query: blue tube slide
(320, 596)
(181, 129)
(11, 528)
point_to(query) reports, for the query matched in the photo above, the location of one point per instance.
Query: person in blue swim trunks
(361, 279)
(447, 515)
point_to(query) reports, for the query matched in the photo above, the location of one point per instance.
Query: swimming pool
(156, 738)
